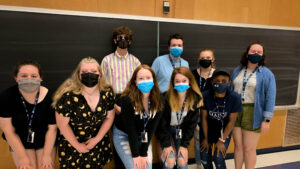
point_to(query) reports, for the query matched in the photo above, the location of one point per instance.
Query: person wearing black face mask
(84, 106)
(221, 107)
(111, 67)
(203, 77)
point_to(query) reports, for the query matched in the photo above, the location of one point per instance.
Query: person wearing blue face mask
(257, 87)
(165, 64)
(141, 111)
(219, 113)
(182, 104)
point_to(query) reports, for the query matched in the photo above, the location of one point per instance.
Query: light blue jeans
(177, 142)
(122, 147)
(197, 145)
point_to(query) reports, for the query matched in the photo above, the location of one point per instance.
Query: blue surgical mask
(145, 86)
(181, 87)
(176, 51)
(254, 58)
(220, 87)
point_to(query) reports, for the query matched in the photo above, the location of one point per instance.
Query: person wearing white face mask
(181, 110)
(27, 119)
(141, 111)
(164, 65)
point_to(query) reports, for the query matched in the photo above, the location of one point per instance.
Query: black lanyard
(146, 116)
(181, 114)
(245, 80)
(30, 116)
(200, 81)
(173, 64)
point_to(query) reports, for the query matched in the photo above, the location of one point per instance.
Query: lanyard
(245, 80)
(181, 113)
(146, 116)
(200, 81)
(30, 117)
(173, 64)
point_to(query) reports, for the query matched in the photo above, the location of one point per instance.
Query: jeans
(219, 160)
(121, 144)
(177, 142)
(197, 145)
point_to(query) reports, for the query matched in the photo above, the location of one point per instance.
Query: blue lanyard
(200, 82)
(245, 80)
(173, 64)
(146, 116)
(30, 117)
(181, 114)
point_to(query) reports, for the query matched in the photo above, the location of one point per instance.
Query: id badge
(144, 137)
(178, 134)
(30, 137)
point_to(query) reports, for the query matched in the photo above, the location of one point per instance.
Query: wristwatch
(267, 120)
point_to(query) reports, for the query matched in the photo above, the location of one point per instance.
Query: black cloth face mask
(89, 79)
(204, 63)
(123, 43)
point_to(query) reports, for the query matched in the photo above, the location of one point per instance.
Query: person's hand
(117, 109)
(91, 143)
(47, 162)
(24, 163)
(82, 148)
(204, 146)
(136, 162)
(265, 127)
(221, 148)
(166, 152)
(184, 152)
(144, 162)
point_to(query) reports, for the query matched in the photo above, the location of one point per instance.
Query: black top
(215, 116)
(205, 83)
(188, 125)
(85, 124)
(132, 124)
(12, 107)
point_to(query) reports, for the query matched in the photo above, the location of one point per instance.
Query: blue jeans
(122, 147)
(219, 160)
(197, 144)
(177, 142)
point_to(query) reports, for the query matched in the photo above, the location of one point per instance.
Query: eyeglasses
(120, 37)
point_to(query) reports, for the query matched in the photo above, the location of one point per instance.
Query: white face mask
(29, 85)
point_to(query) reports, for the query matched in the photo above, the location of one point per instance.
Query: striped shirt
(118, 70)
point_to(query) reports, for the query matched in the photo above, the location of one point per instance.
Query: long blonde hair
(73, 83)
(191, 93)
(136, 95)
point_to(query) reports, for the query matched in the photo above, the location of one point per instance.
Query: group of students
(137, 102)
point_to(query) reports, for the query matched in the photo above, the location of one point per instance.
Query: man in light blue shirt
(163, 65)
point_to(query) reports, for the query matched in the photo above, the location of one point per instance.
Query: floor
(280, 160)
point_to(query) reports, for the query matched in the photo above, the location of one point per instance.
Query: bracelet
(222, 140)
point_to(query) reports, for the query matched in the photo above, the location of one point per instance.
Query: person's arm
(106, 125)
(163, 134)
(15, 143)
(104, 67)
(230, 125)
(188, 126)
(155, 66)
(48, 146)
(67, 132)
(127, 117)
(204, 125)
(270, 96)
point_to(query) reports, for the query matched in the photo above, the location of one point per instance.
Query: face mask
(89, 79)
(122, 43)
(176, 51)
(254, 58)
(204, 63)
(145, 86)
(220, 87)
(181, 87)
(29, 85)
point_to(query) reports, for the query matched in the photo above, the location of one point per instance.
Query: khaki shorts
(245, 118)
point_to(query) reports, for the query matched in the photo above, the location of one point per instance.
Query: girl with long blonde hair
(84, 106)
(181, 111)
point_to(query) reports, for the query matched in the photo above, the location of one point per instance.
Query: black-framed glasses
(120, 37)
